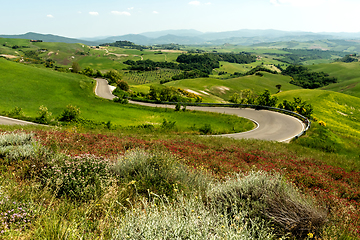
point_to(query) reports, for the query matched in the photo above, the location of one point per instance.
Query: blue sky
(89, 18)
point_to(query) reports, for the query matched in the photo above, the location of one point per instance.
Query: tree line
(303, 77)
(265, 99)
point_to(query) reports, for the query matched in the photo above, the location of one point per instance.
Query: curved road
(271, 126)
(12, 121)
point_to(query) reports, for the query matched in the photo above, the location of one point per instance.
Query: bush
(81, 177)
(177, 107)
(156, 171)
(168, 124)
(123, 85)
(205, 129)
(17, 146)
(269, 196)
(186, 219)
(16, 112)
(44, 115)
(70, 114)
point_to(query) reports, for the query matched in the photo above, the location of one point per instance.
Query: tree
(88, 71)
(123, 85)
(75, 67)
(70, 113)
(113, 76)
(278, 87)
(265, 99)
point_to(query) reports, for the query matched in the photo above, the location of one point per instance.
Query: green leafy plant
(70, 113)
(80, 177)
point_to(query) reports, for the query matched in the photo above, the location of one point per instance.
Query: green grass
(29, 87)
(213, 86)
(348, 75)
(340, 112)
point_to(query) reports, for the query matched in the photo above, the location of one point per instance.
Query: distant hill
(243, 37)
(341, 45)
(48, 38)
(181, 33)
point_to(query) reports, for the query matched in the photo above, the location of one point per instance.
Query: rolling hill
(244, 37)
(28, 87)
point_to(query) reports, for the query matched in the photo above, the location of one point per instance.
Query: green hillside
(340, 112)
(225, 88)
(29, 87)
(348, 75)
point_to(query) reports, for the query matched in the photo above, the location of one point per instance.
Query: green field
(29, 87)
(340, 112)
(348, 75)
(220, 90)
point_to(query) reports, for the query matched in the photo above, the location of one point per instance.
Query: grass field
(29, 87)
(224, 89)
(340, 112)
(348, 75)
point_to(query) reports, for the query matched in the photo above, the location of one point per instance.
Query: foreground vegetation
(67, 186)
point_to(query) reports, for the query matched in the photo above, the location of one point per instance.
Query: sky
(92, 18)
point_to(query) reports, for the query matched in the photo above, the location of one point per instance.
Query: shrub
(70, 113)
(186, 219)
(156, 171)
(205, 129)
(16, 146)
(81, 177)
(44, 115)
(177, 107)
(123, 85)
(168, 124)
(16, 112)
(269, 196)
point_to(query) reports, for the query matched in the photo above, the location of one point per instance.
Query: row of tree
(265, 99)
(125, 44)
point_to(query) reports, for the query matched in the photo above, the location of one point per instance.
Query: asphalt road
(271, 126)
(12, 121)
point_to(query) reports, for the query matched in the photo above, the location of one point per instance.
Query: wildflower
(310, 235)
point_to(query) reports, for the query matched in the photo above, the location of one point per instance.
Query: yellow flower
(310, 235)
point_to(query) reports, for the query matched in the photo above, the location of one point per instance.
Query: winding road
(12, 121)
(271, 126)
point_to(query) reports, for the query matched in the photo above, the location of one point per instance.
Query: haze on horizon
(77, 19)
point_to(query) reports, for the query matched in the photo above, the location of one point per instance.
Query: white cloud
(208, 3)
(155, 12)
(79, 12)
(50, 16)
(196, 3)
(121, 13)
(130, 8)
(94, 13)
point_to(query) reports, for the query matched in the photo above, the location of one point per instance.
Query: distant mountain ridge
(244, 37)
(48, 38)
